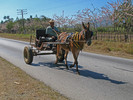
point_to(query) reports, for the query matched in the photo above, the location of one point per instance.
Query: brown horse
(76, 43)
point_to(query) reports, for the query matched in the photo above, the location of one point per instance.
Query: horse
(76, 43)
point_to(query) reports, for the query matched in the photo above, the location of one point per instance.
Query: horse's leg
(76, 62)
(57, 54)
(65, 57)
(74, 59)
(74, 56)
(72, 65)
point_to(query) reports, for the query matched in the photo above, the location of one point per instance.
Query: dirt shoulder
(17, 85)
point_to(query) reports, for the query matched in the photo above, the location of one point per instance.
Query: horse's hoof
(71, 66)
(67, 68)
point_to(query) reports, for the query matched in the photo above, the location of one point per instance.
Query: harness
(75, 39)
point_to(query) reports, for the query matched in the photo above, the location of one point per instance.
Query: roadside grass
(17, 85)
(120, 49)
(22, 37)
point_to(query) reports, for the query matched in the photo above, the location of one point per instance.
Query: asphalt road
(102, 77)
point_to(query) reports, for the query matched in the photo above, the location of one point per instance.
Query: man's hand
(53, 37)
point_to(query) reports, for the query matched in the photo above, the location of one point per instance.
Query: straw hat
(51, 21)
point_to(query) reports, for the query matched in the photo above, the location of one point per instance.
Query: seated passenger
(52, 31)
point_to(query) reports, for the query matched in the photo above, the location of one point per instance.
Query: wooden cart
(43, 46)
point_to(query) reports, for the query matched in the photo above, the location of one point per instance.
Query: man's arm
(47, 32)
(56, 30)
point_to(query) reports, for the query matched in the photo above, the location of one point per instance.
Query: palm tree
(4, 18)
(8, 17)
(31, 17)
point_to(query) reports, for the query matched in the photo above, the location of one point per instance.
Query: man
(52, 31)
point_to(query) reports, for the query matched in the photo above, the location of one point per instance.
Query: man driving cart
(52, 31)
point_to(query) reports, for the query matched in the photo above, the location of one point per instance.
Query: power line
(22, 12)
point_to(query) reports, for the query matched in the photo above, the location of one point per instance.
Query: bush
(102, 29)
(9, 26)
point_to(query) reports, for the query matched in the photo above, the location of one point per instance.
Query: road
(102, 77)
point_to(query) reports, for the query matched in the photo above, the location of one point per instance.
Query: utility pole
(22, 12)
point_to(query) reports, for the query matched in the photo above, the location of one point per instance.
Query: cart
(43, 45)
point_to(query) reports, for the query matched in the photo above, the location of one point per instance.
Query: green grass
(23, 37)
(17, 35)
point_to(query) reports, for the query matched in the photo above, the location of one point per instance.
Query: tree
(36, 16)
(60, 20)
(120, 12)
(2, 22)
(43, 18)
(4, 17)
(9, 26)
(17, 18)
(88, 15)
(31, 17)
(8, 17)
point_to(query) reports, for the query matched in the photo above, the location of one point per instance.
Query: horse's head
(87, 33)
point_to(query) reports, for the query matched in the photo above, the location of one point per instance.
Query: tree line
(30, 24)
(114, 17)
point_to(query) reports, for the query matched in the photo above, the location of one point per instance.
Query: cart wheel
(61, 57)
(28, 55)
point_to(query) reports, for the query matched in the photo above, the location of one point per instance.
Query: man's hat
(51, 21)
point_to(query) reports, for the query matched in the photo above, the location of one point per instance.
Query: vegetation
(114, 17)
(30, 24)
(9, 26)
(114, 20)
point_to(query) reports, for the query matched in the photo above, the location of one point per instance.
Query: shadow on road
(83, 72)
(96, 75)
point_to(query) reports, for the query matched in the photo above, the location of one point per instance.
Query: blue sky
(46, 7)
